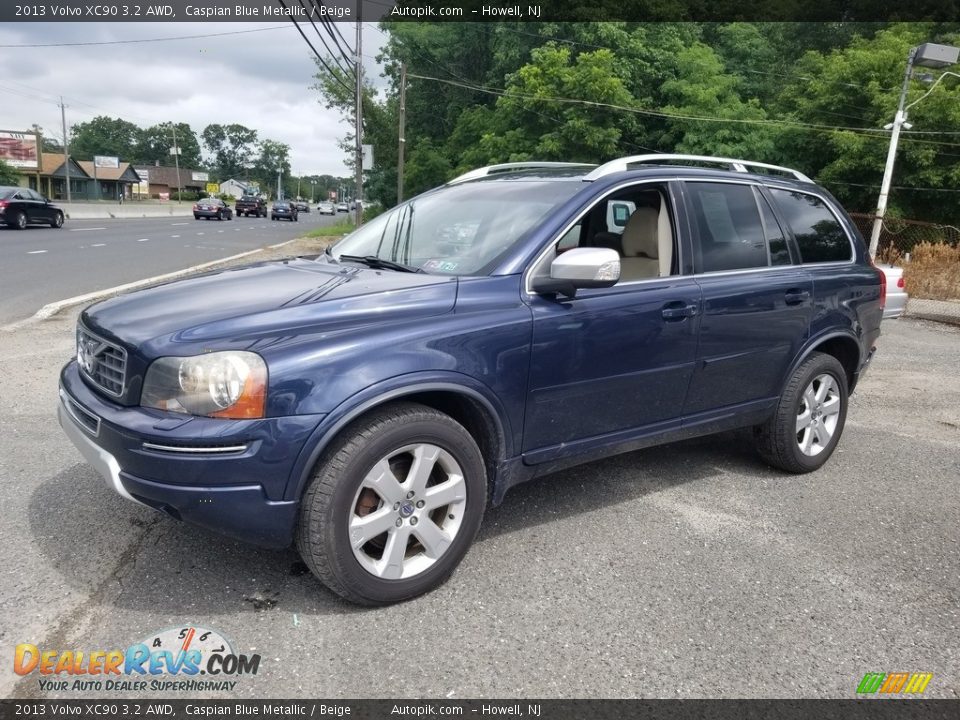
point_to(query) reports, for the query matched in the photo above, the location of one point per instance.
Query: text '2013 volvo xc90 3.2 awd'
(367, 405)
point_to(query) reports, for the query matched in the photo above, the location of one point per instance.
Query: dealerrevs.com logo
(178, 659)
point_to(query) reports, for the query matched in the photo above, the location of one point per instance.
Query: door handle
(678, 311)
(795, 297)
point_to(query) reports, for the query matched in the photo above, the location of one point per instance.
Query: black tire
(220, 217)
(19, 221)
(57, 221)
(322, 530)
(777, 439)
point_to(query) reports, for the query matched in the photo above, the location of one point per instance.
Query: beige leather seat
(641, 250)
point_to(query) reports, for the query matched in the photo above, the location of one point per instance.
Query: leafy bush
(933, 271)
(187, 196)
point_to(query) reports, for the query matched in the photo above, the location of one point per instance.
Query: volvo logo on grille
(87, 351)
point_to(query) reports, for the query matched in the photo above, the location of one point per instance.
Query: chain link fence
(930, 257)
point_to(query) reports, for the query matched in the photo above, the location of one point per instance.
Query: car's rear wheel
(19, 221)
(806, 427)
(57, 221)
(393, 505)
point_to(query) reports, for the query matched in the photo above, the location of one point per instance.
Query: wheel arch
(843, 346)
(478, 410)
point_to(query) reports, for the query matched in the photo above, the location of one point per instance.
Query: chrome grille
(103, 362)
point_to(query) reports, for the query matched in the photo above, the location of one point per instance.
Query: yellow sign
(213, 187)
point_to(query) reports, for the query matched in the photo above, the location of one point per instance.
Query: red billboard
(19, 149)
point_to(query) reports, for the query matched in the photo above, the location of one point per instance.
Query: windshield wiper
(379, 263)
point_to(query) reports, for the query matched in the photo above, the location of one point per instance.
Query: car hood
(268, 300)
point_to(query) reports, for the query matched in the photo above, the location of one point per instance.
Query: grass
(933, 271)
(341, 227)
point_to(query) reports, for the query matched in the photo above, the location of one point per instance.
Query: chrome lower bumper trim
(101, 461)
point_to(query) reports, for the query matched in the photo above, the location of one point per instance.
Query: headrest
(640, 234)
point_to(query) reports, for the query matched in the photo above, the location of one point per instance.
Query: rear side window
(729, 227)
(819, 234)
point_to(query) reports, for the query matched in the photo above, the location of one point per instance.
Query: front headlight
(228, 384)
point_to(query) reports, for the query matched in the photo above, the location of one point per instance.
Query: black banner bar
(873, 709)
(478, 10)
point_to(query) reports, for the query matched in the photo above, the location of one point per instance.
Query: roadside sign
(19, 149)
(213, 188)
(106, 161)
(200, 177)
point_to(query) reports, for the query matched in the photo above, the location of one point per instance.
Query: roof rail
(624, 163)
(507, 167)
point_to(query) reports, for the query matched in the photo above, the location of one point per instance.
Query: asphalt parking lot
(690, 570)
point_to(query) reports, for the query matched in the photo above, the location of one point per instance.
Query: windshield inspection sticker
(440, 265)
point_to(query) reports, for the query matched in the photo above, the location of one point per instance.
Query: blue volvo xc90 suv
(368, 404)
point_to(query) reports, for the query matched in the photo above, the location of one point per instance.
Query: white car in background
(896, 292)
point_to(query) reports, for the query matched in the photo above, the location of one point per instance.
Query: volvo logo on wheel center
(406, 509)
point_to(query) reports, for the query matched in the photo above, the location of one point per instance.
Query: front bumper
(225, 475)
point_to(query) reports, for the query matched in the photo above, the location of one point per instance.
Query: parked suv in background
(367, 405)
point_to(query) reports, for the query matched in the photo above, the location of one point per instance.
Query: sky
(261, 80)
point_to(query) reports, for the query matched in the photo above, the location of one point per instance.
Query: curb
(51, 309)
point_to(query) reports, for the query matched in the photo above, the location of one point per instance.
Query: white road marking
(98, 245)
(85, 229)
(143, 240)
(174, 236)
(179, 223)
(35, 252)
(219, 231)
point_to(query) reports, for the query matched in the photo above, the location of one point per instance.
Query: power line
(318, 55)
(865, 132)
(333, 55)
(144, 40)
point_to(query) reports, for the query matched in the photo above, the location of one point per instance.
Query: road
(691, 570)
(42, 265)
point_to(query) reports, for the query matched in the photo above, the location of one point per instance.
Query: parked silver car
(896, 292)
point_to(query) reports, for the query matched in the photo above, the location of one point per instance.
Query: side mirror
(580, 268)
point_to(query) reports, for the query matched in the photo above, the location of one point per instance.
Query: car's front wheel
(393, 505)
(57, 221)
(806, 427)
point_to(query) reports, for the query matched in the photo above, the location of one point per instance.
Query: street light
(927, 55)
(313, 185)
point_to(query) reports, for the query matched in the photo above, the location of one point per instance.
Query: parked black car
(20, 206)
(284, 209)
(212, 208)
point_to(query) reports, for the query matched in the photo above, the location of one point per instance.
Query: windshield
(459, 230)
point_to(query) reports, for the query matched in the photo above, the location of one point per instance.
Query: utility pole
(279, 192)
(358, 67)
(298, 187)
(176, 158)
(899, 119)
(403, 128)
(66, 145)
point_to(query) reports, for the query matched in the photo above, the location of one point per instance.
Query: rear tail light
(900, 283)
(196, 207)
(3, 204)
(883, 285)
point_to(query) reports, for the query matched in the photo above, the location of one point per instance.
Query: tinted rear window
(819, 234)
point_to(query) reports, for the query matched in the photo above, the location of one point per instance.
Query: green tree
(857, 87)
(272, 157)
(104, 136)
(157, 140)
(8, 174)
(557, 107)
(233, 147)
(731, 126)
